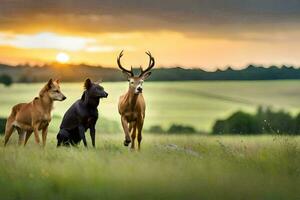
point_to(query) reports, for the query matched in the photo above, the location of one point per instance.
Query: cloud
(47, 40)
(213, 18)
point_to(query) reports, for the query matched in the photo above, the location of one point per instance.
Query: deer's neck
(132, 99)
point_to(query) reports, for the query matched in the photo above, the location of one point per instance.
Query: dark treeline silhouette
(265, 121)
(173, 129)
(75, 73)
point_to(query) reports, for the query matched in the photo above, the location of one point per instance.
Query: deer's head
(136, 82)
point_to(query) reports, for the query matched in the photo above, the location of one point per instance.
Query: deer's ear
(87, 84)
(128, 76)
(146, 75)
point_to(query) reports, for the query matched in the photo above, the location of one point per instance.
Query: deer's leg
(130, 127)
(126, 131)
(139, 137)
(133, 134)
(44, 135)
(28, 134)
(8, 131)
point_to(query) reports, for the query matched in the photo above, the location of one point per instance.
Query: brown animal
(34, 116)
(132, 104)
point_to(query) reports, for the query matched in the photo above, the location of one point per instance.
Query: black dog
(82, 115)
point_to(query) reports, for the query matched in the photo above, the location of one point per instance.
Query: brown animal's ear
(57, 81)
(87, 84)
(50, 83)
(146, 75)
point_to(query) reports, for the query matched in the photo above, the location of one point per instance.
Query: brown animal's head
(52, 89)
(136, 82)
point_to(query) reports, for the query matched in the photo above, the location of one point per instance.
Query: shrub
(156, 129)
(220, 127)
(6, 80)
(177, 128)
(264, 121)
(2, 125)
(173, 129)
(238, 123)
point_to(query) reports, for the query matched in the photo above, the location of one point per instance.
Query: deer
(132, 105)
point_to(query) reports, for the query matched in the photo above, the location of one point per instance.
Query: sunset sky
(190, 33)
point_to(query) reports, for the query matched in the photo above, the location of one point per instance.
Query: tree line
(75, 73)
(264, 121)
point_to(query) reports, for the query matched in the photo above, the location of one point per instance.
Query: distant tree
(220, 127)
(177, 128)
(241, 123)
(6, 80)
(156, 129)
(279, 122)
(297, 125)
(264, 121)
(2, 125)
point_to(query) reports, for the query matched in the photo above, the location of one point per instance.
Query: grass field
(167, 167)
(193, 103)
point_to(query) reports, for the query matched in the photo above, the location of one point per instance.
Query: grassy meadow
(168, 166)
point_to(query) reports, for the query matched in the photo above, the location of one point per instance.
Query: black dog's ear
(83, 96)
(87, 84)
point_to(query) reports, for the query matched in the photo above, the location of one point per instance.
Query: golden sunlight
(62, 57)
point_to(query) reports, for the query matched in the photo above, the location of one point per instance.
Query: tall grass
(167, 167)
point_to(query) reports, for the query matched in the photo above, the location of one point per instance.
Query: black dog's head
(93, 92)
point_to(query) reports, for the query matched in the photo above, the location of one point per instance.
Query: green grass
(167, 167)
(192, 103)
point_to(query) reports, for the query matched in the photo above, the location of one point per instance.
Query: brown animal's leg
(126, 131)
(44, 135)
(8, 131)
(130, 127)
(36, 134)
(139, 137)
(133, 134)
(28, 134)
(22, 134)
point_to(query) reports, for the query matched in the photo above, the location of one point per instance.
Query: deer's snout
(140, 89)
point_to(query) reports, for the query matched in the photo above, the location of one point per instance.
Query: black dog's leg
(93, 135)
(63, 138)
(81, 130)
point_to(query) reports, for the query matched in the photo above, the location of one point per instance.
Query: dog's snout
(64, 98)
(106, 94)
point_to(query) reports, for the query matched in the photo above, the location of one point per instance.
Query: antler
(120, 65)
(150, 66)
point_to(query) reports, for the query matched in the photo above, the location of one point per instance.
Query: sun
(62, 57)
